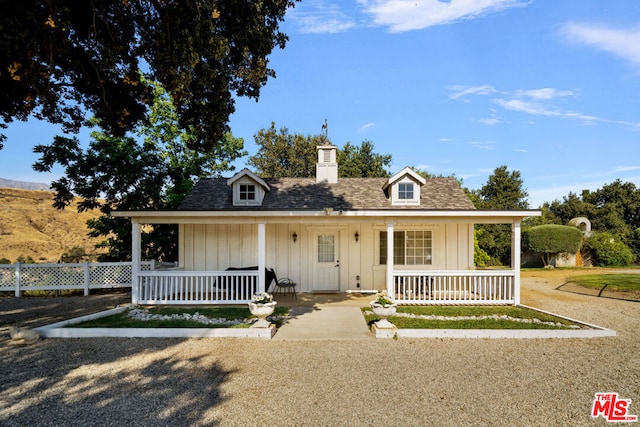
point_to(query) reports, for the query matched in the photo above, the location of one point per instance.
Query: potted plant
(383, 306)
(261, 306)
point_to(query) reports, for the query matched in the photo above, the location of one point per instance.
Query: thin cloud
(627, 168)
(622, 43)
(460, 91)
(321, 18)
(490, 121)
(483, 145)
(543, 93)
(525, 106)
(403, 15)
(535, 102)
(365, 127)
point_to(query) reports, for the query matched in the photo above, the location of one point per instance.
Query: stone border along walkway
(321, 323)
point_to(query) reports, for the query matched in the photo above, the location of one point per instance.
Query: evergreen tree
(503, 190)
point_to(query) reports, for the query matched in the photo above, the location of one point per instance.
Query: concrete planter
(261, 311)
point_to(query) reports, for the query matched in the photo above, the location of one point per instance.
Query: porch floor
(324, 317)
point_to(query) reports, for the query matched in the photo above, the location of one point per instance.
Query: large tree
(503, 190)
(283, 154)
(61, 58)
(123, 173)
(362, 161)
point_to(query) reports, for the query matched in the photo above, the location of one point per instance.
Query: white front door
(327, 262)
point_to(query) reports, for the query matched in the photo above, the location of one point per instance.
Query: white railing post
(390, 287)
(18, 274)
(86, 278)
(262, 256)
(136, 251)
(515, 260)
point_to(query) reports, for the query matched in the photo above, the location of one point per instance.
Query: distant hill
(9, 183)
(31, 227)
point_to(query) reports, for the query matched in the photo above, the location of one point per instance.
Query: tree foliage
(614, 208)
(552, 239)
(362, 161)
(503, 190)
(120, 173)
(608, 251)
(60, 58)
(282, 154)
(480, 257)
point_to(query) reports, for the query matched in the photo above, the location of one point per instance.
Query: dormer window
(404, 188)
(247, 192)
(405, 191)
(248, 189)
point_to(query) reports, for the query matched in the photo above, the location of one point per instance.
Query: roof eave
(425, 213)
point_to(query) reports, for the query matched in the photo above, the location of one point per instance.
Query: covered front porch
(418, 285)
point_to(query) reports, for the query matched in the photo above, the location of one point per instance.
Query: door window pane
(326, 248)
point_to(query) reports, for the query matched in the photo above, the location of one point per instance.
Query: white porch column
(515, 259)
(262, 256)
(390, 287)
(136, 251)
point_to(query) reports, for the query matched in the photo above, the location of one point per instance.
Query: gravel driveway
(236, 382)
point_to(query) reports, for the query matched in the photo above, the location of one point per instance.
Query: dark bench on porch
(284, 285)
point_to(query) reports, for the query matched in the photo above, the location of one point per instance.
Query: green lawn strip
(613, 282)
(465, 311)
(123, 320)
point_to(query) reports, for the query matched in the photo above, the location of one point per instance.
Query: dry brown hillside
(31, 227)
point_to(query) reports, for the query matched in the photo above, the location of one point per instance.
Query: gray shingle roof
(306, 194)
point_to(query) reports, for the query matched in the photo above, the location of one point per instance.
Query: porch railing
(196, 287)
(454, 287)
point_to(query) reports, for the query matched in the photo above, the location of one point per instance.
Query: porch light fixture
(357, 236)
(294, 237)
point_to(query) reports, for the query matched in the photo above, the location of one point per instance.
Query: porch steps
(324, 323)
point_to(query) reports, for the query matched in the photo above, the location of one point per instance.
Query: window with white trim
(405, 191)
(247, 192)
(410, 247)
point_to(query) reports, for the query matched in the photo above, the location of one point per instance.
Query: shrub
(607, 251)
(480, 257)
(552, 239)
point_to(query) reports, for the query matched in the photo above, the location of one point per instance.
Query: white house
(405, 234)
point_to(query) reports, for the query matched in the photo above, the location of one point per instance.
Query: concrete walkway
(325, 317)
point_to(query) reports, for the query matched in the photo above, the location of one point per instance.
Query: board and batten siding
(215, 247)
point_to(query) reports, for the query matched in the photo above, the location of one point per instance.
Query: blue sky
(548, 88)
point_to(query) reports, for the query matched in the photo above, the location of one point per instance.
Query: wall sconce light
(357, 236)
(294, 236)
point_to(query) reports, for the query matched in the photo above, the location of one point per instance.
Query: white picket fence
(19, 277)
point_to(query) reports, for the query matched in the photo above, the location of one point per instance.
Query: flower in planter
(262, 298)
(383, 299)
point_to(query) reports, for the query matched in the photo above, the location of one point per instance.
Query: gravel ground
(235, 382)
